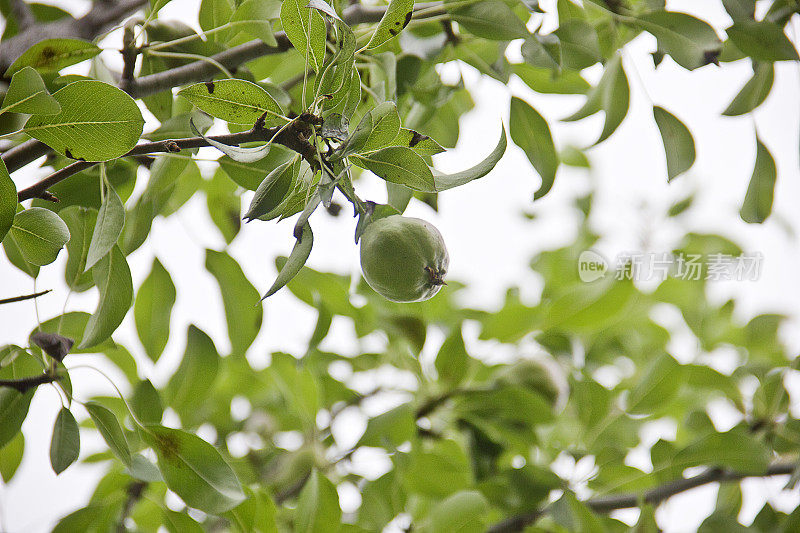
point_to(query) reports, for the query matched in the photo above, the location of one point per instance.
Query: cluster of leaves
(323, 93)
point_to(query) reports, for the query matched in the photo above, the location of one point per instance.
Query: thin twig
(23, 297)
(654, 496)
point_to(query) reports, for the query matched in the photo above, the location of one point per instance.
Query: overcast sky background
(489, 241)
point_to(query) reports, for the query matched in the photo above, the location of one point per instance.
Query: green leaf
(549, 81)
(40, 234)
(8, 200)
(11, 457)
(106, 423)
(448, 181)
(180, 522)
(754, 92)
(298, 258)
(398, 164)
(50, 55)
(762, 40)
(146, 403)
(462, 512)
(580, 47)
(213, 14)
(489, 19)
(657, 387)
(65, 445)
(233, 100)
(452, 361)
(318, 508)
(80, 222)
(153, 308)
(758, 200)
(439, 471)
(305, 28)
(390, 429)
(611, 95)
(529, 131)
(422, 144)
(97, 122)
(13, 410)
(253, 17)
(678, 142)
(224, 205)
(113, 279)
(273, 189)
(195, 375)
(734, 449)
(14, 255)
(250, 175)
(691, 42)
(243, 310)
(28, 94)
(396, 18)
(194, 470)
(107, 229)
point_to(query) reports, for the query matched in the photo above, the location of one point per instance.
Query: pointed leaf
(14, 407)
(452, 361)
(113, 279)
(240, 155)
(240, 298)
(40, 234)
(11, 457)
(273, 189)
(758, 201)
(80, 222)
(490, 19)
(195, 374)
(305, 28)
(97, 122)
(233, 100)
(146, 403)
(107, 229)
(678, 142)
(107, 424)
(448, 181)
(530, 131)
(153, 309)
(194, 470)
(65, 444)
(762, 40)
(422, 144)
(754, 92)
(8, 201)
(28, 94)
(398, 164)
(397, 17)
(298, 258)
(317, 506)
(51, 55)
(690, 41)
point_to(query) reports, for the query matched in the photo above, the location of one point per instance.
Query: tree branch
(654, 496)
(102, 16)
(22, 14)
(22, 298)
(24, 153)
(291, 137)
(24, 384)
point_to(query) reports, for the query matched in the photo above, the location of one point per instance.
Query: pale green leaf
(40, 234)
(108, 228)
(107, 424)
(318, 508)
(305, 28)
(194, 469)
(233, 100)
(153, 308)
(11, 457)
(489, 19)
(397, 17)
(462, 512)
(195, 374)
(8, 200)
(530, 131)
(28, 94)
(50, 55)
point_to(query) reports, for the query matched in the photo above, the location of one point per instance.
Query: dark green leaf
(758, 201)
(65, 444)
(691, 42)
(678, 142)
(754, 92)
(298, 257)
(273, 189)
(108, 228)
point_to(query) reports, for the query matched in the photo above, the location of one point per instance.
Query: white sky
(489, 242)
